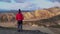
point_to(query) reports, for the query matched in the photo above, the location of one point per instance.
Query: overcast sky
(28, 4)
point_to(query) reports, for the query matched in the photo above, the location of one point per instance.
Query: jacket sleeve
(22, 17)
(16, 17)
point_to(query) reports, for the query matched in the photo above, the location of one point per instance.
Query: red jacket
(19, 16)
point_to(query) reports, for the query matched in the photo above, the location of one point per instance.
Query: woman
(19, 18)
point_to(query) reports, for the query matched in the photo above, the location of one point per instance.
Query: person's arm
(22, 17)
(16, 17)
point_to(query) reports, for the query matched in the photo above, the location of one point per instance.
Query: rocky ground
(55, 30)
(7, 31)
(10, 28)
(26, 29)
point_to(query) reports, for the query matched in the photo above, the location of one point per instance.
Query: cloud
(9, 6)
(5, 1)
(28, 4)
(16, 1)
(42, 3)
(57, 4)
(19, 1)
(54, 0)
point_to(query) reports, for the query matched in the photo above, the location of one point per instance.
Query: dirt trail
(27, 27)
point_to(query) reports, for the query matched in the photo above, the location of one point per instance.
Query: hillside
(37, 14)
(34, 16)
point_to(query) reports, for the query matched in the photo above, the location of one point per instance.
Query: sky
(28, 4)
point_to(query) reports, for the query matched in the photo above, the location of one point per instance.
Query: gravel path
(26, 30)
(12, 31)
(55, 30)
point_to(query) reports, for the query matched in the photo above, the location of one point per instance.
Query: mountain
(43, 13)
(35, 14)
(41, 17)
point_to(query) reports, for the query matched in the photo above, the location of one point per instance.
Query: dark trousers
(20, 23)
